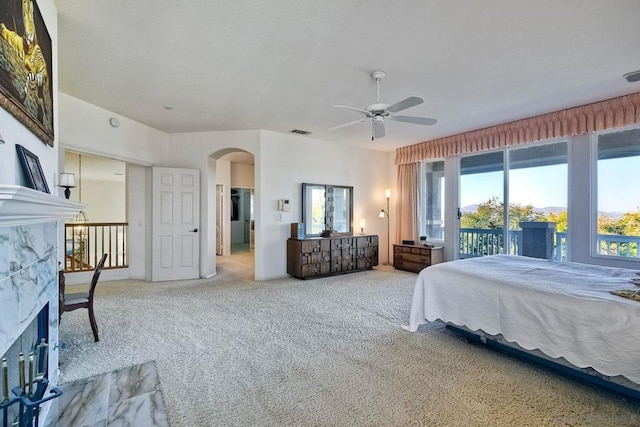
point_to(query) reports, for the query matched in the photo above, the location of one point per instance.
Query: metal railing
(86, 242)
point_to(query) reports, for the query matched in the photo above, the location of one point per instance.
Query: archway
(232, 185)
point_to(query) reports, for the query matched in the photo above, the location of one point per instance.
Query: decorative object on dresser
(317, 257)
(415, 258)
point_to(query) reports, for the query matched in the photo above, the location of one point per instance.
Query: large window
(538, 182)
(535, 187)
(481, 208)
(431, 202)
(618, 206)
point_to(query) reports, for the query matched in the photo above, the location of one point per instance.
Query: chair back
(96, 275)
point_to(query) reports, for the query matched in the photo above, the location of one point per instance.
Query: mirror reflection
(327, 208)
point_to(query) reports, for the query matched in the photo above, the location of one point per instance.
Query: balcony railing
(476, 242)
(86, 242)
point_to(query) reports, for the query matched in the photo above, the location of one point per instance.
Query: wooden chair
(74, 301)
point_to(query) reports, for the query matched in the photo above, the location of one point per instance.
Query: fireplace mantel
(21, 205)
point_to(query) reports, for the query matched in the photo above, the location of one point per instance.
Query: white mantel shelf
(22, 205)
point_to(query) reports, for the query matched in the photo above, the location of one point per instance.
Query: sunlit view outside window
(618, 167)
(481, 201)
(537, 190)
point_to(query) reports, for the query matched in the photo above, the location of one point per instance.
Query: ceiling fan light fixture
(378, 111)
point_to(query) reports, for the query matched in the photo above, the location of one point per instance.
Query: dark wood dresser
(327, 256)
(415, 258)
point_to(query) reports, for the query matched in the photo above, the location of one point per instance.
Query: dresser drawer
(422, 259)
(415, 258)
(402, 264)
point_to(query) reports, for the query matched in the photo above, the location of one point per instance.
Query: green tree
(560, 219)
(489, 215)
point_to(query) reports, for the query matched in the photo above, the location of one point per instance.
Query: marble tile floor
(126, 397)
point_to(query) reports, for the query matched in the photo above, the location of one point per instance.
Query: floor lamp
(385, 214)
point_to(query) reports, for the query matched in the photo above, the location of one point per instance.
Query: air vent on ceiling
(633, 76)
(300, 132)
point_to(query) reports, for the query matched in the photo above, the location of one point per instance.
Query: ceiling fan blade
(411, 101)
(415, 120)
(365, 112)
(378, 129)
(344, 125)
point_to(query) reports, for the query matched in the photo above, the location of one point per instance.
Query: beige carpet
(233, 352)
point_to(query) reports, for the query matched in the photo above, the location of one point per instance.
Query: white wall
(85, 128)
(13, 132)
(139, 223)
(282, 163)
(242, 175)
(285, 162)
(222, 174)
(192, 150)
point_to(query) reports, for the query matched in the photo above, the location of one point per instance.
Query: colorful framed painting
(25, 67)
(32, 170)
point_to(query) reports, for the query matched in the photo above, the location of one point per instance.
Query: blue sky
(618, 186)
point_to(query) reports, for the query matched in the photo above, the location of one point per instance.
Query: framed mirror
(327, 207)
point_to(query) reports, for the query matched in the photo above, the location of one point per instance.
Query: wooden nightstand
(415, 258)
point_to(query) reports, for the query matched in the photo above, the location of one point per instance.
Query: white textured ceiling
(283, 64)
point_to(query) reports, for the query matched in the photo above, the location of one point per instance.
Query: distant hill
(547, 210)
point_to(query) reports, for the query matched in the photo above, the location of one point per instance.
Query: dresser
(327, 256)
(415, 258)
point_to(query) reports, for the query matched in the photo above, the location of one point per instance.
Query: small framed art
(32, 169)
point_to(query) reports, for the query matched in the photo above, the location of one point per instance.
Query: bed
(562, 313)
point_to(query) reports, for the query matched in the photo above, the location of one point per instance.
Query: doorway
(242, 220)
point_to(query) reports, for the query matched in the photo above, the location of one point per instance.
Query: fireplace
(29, 353)
(30, 253)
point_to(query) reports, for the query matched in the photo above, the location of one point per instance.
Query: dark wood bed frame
(617, 384)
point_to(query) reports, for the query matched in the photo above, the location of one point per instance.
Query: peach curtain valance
(611, 113)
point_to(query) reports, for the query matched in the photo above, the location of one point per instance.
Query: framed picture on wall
(25, 68)
(32, 169)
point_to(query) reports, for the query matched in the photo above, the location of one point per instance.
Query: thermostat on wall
(283, 205)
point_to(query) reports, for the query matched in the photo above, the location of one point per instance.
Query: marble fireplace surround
(31, 225)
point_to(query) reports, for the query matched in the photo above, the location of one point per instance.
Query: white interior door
(176, 222)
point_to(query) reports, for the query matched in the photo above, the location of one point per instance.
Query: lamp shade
(382, 214)
(67, 180)
(387, 193)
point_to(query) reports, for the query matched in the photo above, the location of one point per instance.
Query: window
(538, 182)
(618, 194)
(481, 208)
(533, 182)
(431, 201)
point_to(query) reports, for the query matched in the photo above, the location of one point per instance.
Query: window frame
(593, 202)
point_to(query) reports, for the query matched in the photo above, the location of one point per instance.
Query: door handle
(195, 230)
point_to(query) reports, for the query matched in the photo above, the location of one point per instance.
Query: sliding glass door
(535, 181)
(481, 209)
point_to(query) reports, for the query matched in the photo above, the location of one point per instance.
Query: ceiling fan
(378, 112)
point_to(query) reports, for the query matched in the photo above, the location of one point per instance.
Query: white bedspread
(562, 309)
